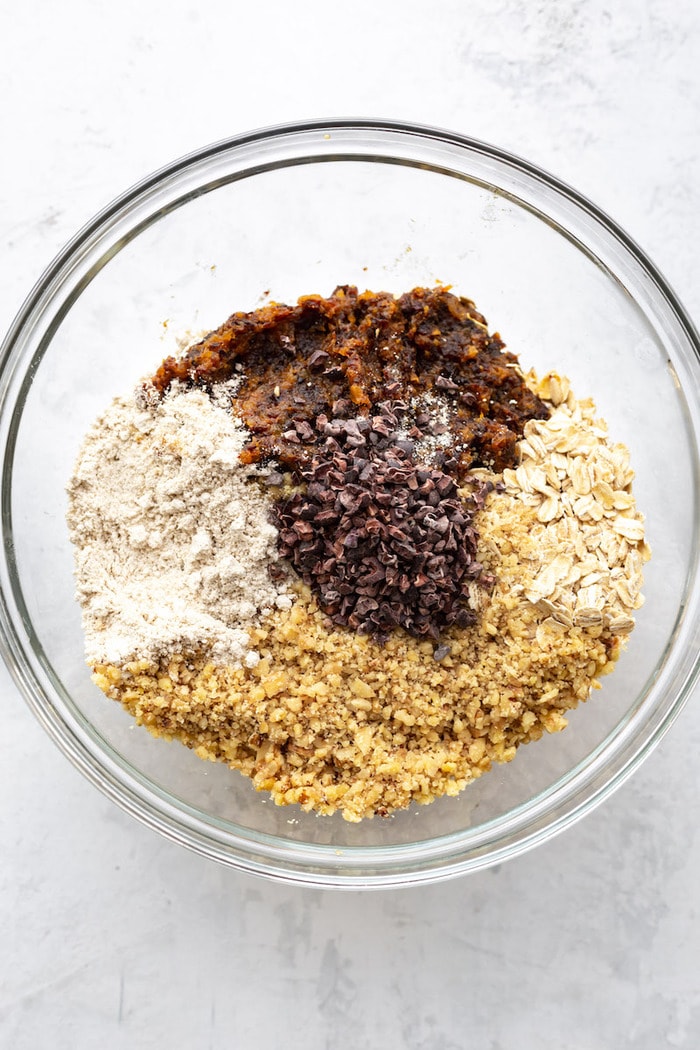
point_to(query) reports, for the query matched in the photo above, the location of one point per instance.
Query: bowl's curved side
(613, 253)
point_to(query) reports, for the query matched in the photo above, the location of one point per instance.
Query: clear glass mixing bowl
(299, 209)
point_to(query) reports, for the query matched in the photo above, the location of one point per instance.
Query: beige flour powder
(171, 535)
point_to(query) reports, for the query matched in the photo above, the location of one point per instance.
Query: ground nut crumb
(332, 720)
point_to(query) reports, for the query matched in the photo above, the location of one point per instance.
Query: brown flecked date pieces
(297, 362)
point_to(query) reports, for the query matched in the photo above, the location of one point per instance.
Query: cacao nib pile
(383, 541)
(342, 393)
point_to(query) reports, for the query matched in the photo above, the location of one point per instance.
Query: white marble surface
(113, 937)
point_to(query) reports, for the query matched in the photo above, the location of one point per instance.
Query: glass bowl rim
(268, 855)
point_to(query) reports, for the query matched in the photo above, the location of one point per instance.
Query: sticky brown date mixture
(298, 361)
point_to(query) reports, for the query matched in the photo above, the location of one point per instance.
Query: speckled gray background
(112, 937)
